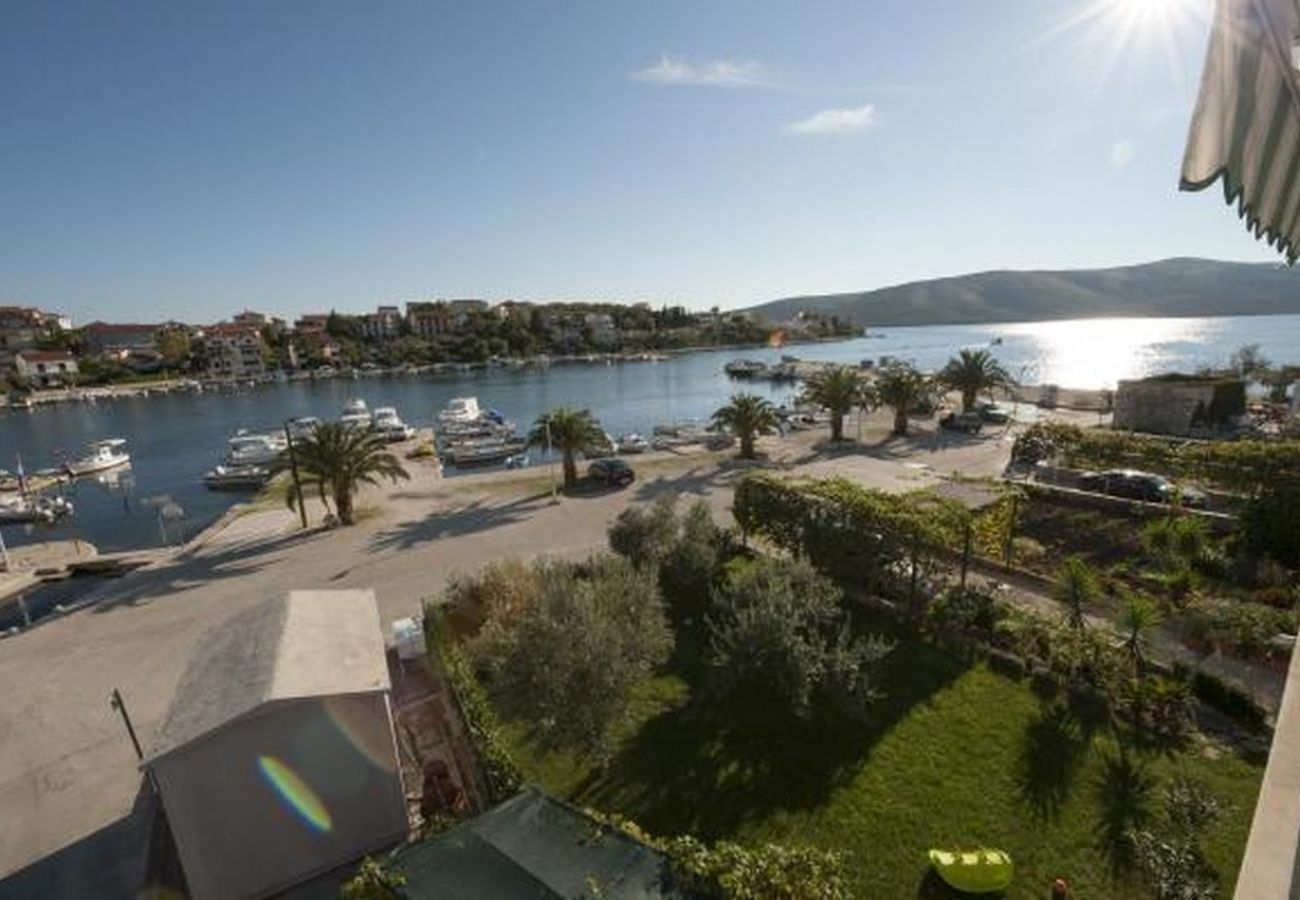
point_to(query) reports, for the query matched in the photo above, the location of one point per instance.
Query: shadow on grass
(1124, 796)
(707, 768)
(1053, 748)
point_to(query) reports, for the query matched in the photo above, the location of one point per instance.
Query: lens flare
(355, 721)
(296, 793)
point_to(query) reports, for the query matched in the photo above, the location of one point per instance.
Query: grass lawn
(955, 754)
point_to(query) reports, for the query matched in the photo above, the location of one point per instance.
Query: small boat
(356, 414)
(493, 450)
(632, 443)
(980, 871)
(248, 449)
(460, 410)
(303, 427)
(236, 478)
(39, 510)
(389, 425)
(100, 455)
(745, 368)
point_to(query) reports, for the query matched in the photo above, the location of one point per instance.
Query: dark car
(967, 423)
(1132, 484)
(611, 472)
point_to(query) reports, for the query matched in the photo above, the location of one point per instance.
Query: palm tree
(901, 387)
(569, 430)
(973, 372)
(1140, 615)
(747, 415)
(838, 390)
(1076, 587)
(337, 460)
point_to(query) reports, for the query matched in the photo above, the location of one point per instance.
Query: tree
(1076, 587)
(901, 387)
(373, 881)
(747, 416)
(338, 460)
(779, 636)
(569, 430)
(1248, 362)
(568, 663)
(686, 574)
(645, 535)
(1136, 620)
(839, 390)
(972, 372)
(174, 347)
(1170, 855)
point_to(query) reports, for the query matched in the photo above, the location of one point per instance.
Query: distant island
(1172, 288)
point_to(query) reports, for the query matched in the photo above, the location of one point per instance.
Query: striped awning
(1246, 126)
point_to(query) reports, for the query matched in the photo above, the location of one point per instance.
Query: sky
(180, 160)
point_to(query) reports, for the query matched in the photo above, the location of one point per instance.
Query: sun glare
(1108, 30)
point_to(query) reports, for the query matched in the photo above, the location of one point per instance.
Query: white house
(46, 368)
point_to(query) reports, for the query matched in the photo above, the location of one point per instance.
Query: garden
(804, 705)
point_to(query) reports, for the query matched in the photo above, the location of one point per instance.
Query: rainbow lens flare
(296, 793)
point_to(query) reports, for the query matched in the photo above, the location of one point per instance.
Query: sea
(173, 439)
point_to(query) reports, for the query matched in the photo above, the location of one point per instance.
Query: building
(601, 327)
(102, 338)
(534, 846)
(429, 319)
(383, 324)
(46, 368)
(277, 760)
(1179, 405)
(229, 351)
(22, 327)
(311, 324)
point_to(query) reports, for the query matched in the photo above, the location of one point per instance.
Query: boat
(460, 410)
(249, 449)
(632, 443)
(389, 425)
(100, 455)
(236, 478)
(29, 510)
(981, 871)
(745, 368)
(303, 427)
(492, 450)
(356, 414)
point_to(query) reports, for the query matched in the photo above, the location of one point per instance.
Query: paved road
(68, 777)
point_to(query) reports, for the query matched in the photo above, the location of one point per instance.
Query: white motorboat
(41, 510)
(100, 456)
(493, 450)
(247, 449)
(236, 478)
(632, 443)
(356, 414)
(389, 425)
(303, 427)
(460, 410)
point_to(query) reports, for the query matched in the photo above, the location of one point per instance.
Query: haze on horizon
(186, 162)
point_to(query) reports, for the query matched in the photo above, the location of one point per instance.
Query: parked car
(1133, 484)
(967, 423)
(611, 472)
(994, 414)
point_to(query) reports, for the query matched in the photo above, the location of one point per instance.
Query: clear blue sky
(180, 159)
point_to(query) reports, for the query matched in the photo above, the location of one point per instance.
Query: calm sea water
(174, 439)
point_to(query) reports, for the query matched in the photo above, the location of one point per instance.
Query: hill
(1171, 287)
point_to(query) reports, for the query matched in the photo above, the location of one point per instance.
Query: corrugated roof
(302, 644)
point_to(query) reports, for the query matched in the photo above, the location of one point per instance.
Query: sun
(1107, 31)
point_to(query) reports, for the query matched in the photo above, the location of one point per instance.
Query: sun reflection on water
(1094, 352)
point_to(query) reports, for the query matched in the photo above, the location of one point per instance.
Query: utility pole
(115, 701)
(293, 468)
(555, 497)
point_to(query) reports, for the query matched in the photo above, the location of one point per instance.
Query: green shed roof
(532, 846)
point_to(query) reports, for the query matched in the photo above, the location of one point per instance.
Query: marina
(176, 441)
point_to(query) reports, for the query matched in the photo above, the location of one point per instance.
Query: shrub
(1243, 628)
(967, 610)
(372, 881)
(1027, 550)
(1232, 701)
(687, 572)
(568, 663)
(1169, 854)
(492, 599)
(646, 535)
(501, 777)
(779, 634)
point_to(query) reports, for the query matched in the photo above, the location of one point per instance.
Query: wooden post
(965, 556)
(115, 701)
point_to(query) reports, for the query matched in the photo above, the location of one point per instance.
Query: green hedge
(501, 776)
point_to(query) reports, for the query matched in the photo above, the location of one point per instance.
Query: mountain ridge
(1176, 287)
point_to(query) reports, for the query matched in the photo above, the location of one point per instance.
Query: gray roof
(302, 644)
(535, 848)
